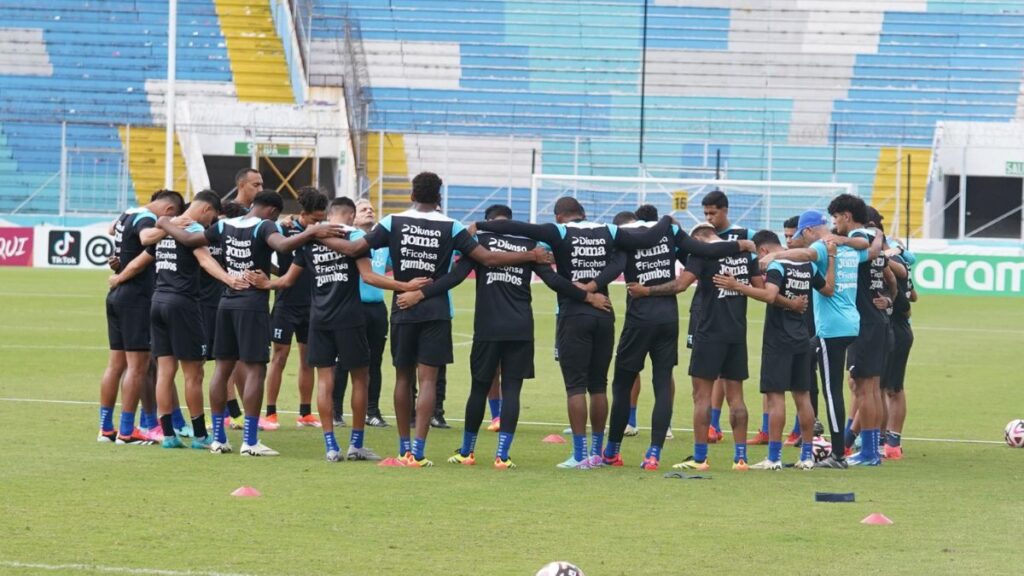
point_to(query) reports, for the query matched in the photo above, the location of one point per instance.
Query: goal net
(753, 204)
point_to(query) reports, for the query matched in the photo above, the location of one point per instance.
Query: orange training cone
(876, 519)
(390, 462)
(553, 439)
(247, 492)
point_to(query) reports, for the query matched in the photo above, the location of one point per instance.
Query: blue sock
(632, 416)
(331, 442)
(796, 426)
(419, 446)
(612, 449)
(495, 404)
(251, 432)
(144, 422)
(653, 452)
(740, 452)
(151, 419)
(219, 434)
(468, 443)
(127, 423)
(177, 419)
(504, 444)
(579, 447)
(596, 443)
(764, 422)
(356, 438)
(806, 451)
(774, 451)
(106, 418)
(404, 446)
(716, 418)
(869, 443)
(849, 436)
(700, 452)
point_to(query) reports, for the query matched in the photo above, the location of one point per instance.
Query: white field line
(559, 425)
(109, 569)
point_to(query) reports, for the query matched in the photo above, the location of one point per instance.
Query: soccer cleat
(819, 428)
(847, 452)
(236, 424)
(184, 432)
(155, 434)
(596, 461)
(759, 439)
(857, 445)
(614, 462)
(631, 431)
(804, 464)
(333, 456)
(740, 465)
(573, 463)
(258, 449)
(458, 458)
(767, 464)
(376, 421)
(893, 452)
(832, 463)
(668, 434)
(859, 460)
(107, 436)
(650, 463)
(308, 421)
(339, 420)
(691, 464)
(794, 439)
(500, 464)
(567, 431)
(361, 454)
(410, 461)
(172, 442)
(137, 438)
(714, 436)
(495, 425)
(438, 421)
(269, 423)
(202, 443)
(220, 447)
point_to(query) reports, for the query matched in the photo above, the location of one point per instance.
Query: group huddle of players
(192, 284)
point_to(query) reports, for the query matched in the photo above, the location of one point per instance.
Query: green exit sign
(1015, 168)
(246, 149)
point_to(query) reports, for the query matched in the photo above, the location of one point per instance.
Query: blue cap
(810, 219)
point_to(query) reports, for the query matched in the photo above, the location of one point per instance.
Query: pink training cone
(390, 462)
(247, 492)
(553, 439)
(876, 519)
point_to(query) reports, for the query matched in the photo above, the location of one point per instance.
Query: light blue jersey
(379, 260)
(836, 316)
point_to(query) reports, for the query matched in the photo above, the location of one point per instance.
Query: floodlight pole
(643, 84)
(172, 56)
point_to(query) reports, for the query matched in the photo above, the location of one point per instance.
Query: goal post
(754, 204)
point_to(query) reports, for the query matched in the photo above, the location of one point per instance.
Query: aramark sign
(969, 274)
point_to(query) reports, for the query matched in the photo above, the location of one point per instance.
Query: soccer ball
(560, 569)
(1015, 434)
(821, 449)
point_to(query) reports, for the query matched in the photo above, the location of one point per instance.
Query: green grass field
(71, 505)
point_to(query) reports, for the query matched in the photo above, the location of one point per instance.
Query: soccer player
(127, 308)
(243, 318)
(786, 360)
(248, 183)
(291, 316)
(585, 252)
(421, 242)
(903, 335)
(789, 230)
(502, 331)
(651, 329)
(836, 318)
(375, 314)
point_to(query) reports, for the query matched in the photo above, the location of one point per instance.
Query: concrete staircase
(258, 62)
(145, 148)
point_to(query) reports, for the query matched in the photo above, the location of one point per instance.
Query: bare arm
(210, 265)
(180, 235)
(386, 282)
(764, 293)
(133, 269)
(794, 254)
(151, 236)
(898, 270)
(352, 248)
(495, 259)
(279, 243)
(680, 284)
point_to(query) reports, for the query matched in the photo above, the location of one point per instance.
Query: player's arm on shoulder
(365, 267)
(795, 254)
(133, 269)
(898, 269)
(541, 232)
(634, 238)
(275, 238)
(493, 258)
(756, 289)
(181, 235)
(213, 268)
(151, 236)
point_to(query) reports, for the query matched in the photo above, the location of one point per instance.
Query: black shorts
(428, 343)
(209, 328)
(866, 356)
(585, 345)
(177, 328)
(660, 341)
(691, 326)
(242, 335)
(713, 360)
(786, 371)
(288, 320)
(896, 367)
(515, 357)
(128, 326)
(344, 346)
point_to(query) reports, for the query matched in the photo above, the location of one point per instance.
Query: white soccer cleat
(220, 447)
(361, 454)
(804, 464)
(333, 456)
(668, 434)
(259, 449)
(631, 431)
(767, 464)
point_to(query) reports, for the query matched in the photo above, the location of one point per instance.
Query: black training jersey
(334, 300)
(244, 240)
(730, 234)
(785, 330)
(650, 267)
(298, 295)
(211, 289)
(900, 310)
(421, 245)
(504, 308)
(177, 268)
(870, 283)
(723, 313)
(127, 246)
